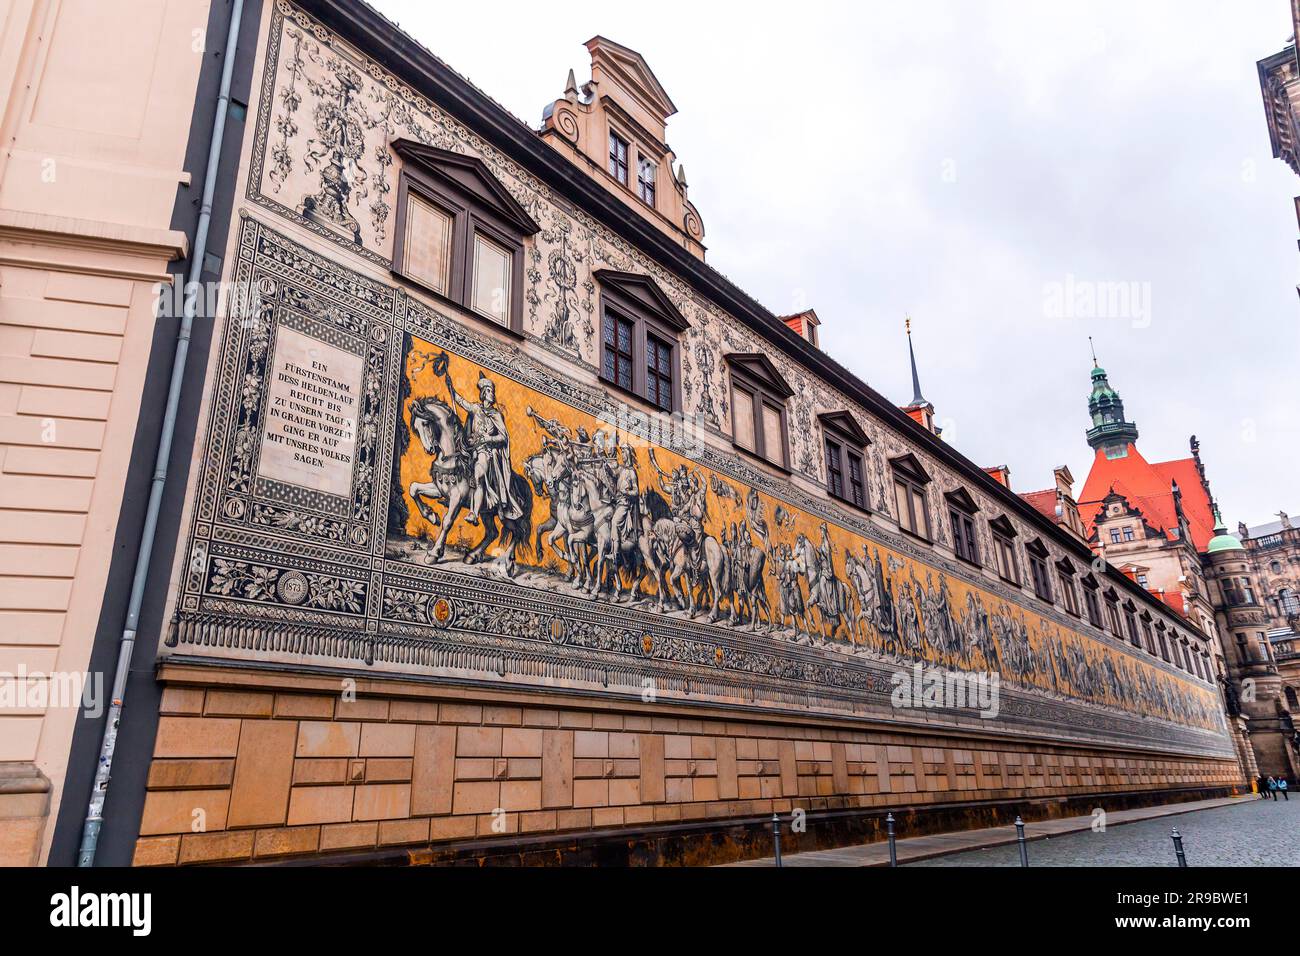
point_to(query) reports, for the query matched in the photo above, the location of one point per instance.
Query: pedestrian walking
(1272, 787)
(1281, 788)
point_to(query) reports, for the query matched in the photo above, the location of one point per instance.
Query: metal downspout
(104, 767)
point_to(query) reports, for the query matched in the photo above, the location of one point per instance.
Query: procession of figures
(609, 534)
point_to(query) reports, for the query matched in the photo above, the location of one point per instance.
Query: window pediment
(759, 368)
(644, 292)
(1002, 525)
(910, 466)
(468, 175)
(960, 498)
(845, 427)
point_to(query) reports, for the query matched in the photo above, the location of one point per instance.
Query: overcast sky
(983, 166)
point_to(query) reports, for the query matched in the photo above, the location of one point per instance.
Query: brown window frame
(1004, 536)
(638, 300)
(1069, 594)
(1092, 601)
(755, 374)
(1040, 575)
(1131, 623)
(908, 472)
(962, 511)
(1114, 622)
(463, 188)
(842, 436)
(1162, 642)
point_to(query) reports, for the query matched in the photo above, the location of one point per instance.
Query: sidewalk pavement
(941, 844)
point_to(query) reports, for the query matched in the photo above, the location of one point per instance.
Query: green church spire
(1109, 429)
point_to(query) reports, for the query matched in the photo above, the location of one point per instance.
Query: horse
(826, 592)
(635, 553)
(442, 434)
(748, 587)
(573, 512)
(862, 582)
(788, 567)
(709, 576)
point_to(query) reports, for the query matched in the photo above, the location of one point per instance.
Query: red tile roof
(1146, 486)
(1044, 502)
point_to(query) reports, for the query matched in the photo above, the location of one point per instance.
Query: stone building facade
(1274, 551)
(97, 113)
(511, 527)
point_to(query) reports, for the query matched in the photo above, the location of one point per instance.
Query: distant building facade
(1274, 551)
(1279, 82)
(1157, 523)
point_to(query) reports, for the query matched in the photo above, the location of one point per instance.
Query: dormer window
(639, 349)
(758, 397)
(910, 480)
(645, 181)
(460, 234)
(618, 158)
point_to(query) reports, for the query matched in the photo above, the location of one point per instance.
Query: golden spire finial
(909, 325)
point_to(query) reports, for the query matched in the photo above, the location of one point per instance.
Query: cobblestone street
(1251, 833)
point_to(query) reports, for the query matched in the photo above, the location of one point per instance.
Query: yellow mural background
(1200, 706)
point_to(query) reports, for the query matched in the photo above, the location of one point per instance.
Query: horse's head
(537, 471)
(436, 424)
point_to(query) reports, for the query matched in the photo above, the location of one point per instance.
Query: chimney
(804, 324)
(1001, 474)
(1064, 481)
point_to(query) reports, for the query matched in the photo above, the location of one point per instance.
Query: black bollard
(1178, 847)
(776, 837)
(893, 850)
(1020, 838)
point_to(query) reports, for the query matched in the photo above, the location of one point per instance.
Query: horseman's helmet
(486, 385)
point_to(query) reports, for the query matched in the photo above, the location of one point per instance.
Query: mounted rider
(626, 483)
(488, 452)
(688, 496)
(824, 582)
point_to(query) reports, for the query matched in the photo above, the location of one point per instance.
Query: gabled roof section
(759, 367)
(1149, 489)
(647, 293)
(468, 174)
(846, 425)
(633, 74)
